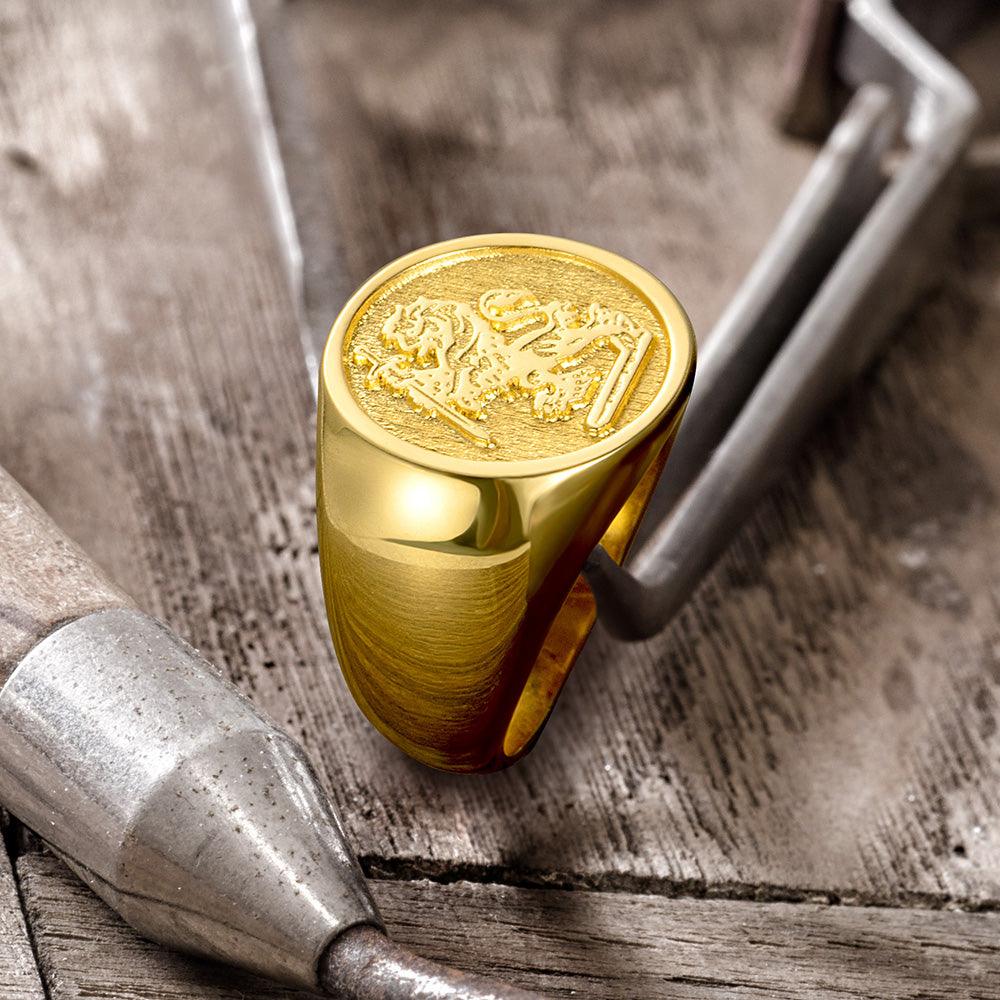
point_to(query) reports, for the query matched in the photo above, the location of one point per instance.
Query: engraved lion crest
(453, 359)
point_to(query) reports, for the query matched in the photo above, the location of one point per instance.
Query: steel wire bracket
(847, 259)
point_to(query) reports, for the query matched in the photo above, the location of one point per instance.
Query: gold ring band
(490, 408)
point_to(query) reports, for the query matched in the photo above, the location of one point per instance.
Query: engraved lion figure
(452, 359)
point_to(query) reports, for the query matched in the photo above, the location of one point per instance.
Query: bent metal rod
(846, 262)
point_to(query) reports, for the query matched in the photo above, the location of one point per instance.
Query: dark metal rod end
(363, 964)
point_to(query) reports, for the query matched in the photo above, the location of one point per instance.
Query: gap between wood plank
(20, 967)
(565, 944)
(22, 842)
(417, 869)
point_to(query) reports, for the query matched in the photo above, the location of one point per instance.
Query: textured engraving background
(517, 433)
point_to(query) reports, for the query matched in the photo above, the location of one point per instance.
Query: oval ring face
(506, 353)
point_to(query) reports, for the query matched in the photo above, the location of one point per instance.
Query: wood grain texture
(822, 716)
(641, 127)
(19, 975)
(615, 946)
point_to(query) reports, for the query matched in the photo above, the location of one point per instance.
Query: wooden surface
(645, 128)
(819, 725)
(804, 725)
(618, 946)
(19, 972)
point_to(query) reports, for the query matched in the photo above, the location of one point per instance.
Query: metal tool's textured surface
(517, 352)
(452, 583)
(162, 787)
(167, 793)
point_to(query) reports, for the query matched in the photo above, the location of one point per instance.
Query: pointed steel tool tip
(197, 820)
(174, 800)
(363, 964)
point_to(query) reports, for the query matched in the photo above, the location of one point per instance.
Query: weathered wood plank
(822, 715)
(563, 944)
(640, 127)
(19, 975)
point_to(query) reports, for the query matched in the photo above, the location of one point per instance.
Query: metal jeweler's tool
(168, 794)
(489, 408)
(845, 262)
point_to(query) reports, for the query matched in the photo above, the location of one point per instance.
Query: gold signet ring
(490, 408)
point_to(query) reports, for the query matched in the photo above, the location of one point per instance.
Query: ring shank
(456, 627)
(569, 631)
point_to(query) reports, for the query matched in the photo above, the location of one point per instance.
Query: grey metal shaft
(45, 580)
(836, 196)
(364, 965)
(849, 314)
(174, 800)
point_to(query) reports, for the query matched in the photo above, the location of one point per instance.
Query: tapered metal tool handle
(168, 794)
(157, 782)
(45, 580)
